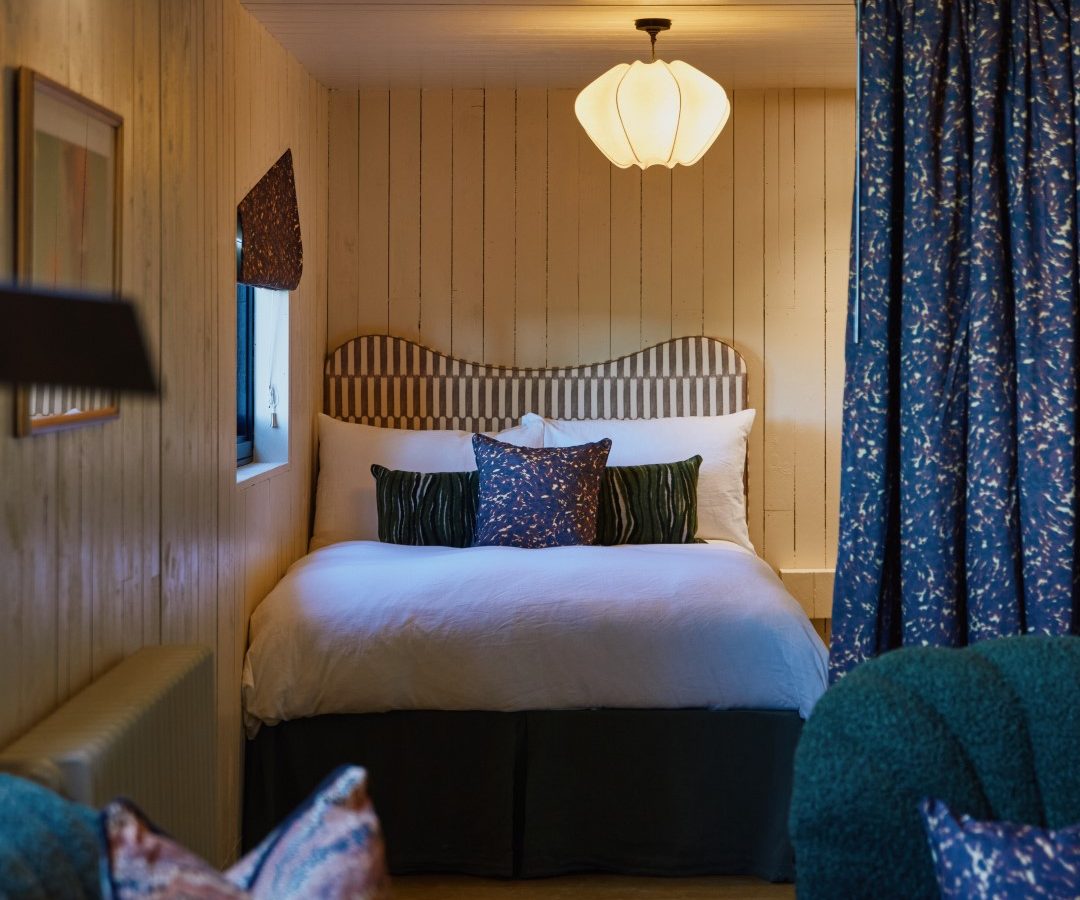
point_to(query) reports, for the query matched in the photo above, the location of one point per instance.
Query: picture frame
(69, 190)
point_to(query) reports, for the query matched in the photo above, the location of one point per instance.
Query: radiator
(144, 730)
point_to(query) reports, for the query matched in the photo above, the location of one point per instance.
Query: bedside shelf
(813, 588)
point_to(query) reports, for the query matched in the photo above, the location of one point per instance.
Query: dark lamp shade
(82, 340)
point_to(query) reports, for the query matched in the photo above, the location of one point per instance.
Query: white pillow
(345, 507)
(721, 441)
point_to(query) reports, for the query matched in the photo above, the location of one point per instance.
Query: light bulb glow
(657, 113)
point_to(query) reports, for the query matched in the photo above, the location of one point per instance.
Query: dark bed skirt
(531, 794)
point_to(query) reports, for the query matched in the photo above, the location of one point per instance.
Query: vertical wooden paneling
(113, 603)
(582, 261)
(530, 251)
(405, 214)
(499, 248)
(32, 635)
(75, 559)
(749, 280)
(594, 252)
(718, 210)
(374, 211)
(256, 510)
(141, 416)
(183, 308)
(206, 459)
(626, 261)
(809, 325)
(343, 258)
(29, 639)
(467, 273)
(562, 225)
(131, 532)
(687, 247)
(230, 560)
(436, 203)
(267, 520)
(82, 71)
(655, 255)
(782, 342)
(136, 531)
(839, 176)
(319, 99)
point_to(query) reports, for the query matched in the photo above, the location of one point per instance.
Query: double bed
(531, 712)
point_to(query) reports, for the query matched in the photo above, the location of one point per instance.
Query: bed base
(531, 794)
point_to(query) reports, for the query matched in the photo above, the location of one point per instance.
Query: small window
(245, 374)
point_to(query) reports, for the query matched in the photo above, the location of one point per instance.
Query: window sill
(253, 473)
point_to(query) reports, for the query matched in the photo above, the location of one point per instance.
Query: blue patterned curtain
(958, 499)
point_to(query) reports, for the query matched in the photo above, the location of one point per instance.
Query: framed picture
(69, 174)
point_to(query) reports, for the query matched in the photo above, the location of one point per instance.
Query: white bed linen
(364, 627)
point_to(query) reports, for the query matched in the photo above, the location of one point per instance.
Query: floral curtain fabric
(958, 498)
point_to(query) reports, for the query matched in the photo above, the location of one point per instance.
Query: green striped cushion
(430, 508)
(652, 504)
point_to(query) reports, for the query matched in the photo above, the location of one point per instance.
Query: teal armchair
(993, 730)
(48, 845)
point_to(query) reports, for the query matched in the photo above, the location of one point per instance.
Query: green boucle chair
(993, 730)
(48, 845)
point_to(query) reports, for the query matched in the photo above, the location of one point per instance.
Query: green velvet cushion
(991, 730)
(48, 846)
(649, 504)
(416, 508)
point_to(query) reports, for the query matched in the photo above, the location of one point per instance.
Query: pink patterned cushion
(331, 847)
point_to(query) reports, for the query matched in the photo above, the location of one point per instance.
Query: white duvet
(364, 627)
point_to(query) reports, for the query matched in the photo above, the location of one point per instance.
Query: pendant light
(657, 113)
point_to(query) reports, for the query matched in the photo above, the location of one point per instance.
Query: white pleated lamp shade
(653, 114)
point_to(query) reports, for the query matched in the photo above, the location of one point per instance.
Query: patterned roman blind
(269, 223)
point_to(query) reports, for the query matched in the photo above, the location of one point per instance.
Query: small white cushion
(345, 508)
(721, 441)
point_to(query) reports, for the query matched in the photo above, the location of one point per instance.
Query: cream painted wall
(486, 224)
(136, 532)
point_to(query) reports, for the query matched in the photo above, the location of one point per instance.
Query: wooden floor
(587, 887)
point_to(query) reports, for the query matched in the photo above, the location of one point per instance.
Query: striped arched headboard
(392, 382)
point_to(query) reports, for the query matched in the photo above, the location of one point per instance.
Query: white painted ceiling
(533, 43)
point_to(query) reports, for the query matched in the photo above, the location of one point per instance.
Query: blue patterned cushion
(537, 497)
(331, 847)
(1000, 860)
(140, 863)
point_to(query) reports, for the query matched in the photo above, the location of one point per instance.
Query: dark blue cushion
(532, 497)
(976, 859)
(48, 845)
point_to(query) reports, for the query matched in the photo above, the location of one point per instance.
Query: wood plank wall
(487, 225)
(135, 532)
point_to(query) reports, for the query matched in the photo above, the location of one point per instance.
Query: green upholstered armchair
(993, 730)
(48, 846)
